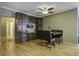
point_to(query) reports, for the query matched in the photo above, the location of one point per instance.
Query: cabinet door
(3, 26)
(10, 28)
(7, 27)
(39, 24)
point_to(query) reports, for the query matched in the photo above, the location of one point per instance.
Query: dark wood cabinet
(31, 36)
(22, 36)
(39, 24)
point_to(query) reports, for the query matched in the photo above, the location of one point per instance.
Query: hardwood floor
(31, 48)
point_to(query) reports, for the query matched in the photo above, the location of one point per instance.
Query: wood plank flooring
(31, 48)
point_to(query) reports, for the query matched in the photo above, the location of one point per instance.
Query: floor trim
(71, 43)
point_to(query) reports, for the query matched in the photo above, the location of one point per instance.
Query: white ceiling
(30, 8)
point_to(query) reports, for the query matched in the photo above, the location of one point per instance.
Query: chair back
(61, 31)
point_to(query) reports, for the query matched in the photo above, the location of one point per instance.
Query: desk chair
(59, 37)
(47, 36)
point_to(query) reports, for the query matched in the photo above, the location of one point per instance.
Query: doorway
(10, 28)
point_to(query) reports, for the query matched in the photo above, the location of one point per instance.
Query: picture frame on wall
(30, 27)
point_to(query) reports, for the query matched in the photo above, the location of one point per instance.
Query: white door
(10, 29)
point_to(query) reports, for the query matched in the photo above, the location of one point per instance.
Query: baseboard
(78, 45)
(70, 43)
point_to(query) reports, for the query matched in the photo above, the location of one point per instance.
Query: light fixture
(45, 11)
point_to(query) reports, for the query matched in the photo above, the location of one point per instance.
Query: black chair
(58, 35)
(47, 36)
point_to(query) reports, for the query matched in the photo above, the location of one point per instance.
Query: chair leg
(41, 42)
(54, 44)
(37, 41)
(59, 40)
(50, 45)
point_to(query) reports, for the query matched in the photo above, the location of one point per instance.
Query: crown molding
(32, 14)
(8, 8)
(17, 11)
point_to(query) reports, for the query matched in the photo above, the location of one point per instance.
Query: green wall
(66, 21)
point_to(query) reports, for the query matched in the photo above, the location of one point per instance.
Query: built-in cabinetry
(24, 33)
(7, 27)
(20, 35)
(7, 35)
(39, 24)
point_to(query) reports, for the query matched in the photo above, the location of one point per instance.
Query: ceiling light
(45, 12)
